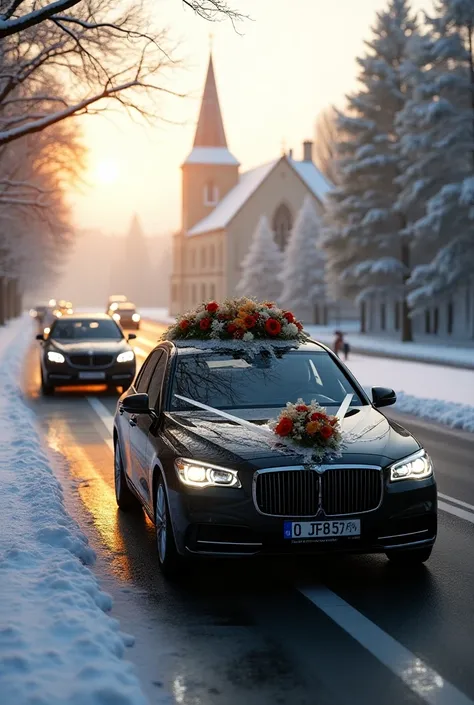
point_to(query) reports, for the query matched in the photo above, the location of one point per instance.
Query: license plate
(91, 375)
(321, 529)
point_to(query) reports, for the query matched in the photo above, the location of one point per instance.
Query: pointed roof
(210, 128)
(210, 143)
(135, 230)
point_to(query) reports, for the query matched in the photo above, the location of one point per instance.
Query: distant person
(347, 348)
(338, 345)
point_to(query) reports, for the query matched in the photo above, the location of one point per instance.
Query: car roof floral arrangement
(237, 319)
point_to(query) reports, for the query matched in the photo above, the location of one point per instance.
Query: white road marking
(457, 511)
(139, 352)
(103, 413)
(429, 685)
(456, 501)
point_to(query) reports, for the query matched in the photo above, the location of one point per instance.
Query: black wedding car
(213, 487)
(87, 348)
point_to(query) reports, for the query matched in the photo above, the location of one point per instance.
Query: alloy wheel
(161, 523)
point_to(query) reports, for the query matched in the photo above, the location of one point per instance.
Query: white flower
(291, 329)
(265, 315)
(247, 336)
(217, 326)
(200, 315)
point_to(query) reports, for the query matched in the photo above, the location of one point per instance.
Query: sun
(106, 171)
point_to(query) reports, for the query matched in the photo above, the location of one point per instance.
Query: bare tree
(327, 136)
(18, 15)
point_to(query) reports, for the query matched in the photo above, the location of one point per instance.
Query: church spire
(210, 128)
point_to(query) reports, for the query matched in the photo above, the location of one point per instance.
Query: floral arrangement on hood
(308, 425)
(236, 319)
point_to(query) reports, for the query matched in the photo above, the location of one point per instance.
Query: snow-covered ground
(57, 644)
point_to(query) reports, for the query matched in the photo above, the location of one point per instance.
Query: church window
(282, 225)
(212, 291)
(211, 194)
(194, 301)
(193, 258)
(219, 255)
(212, 256)
(203, 292)
(203, 257)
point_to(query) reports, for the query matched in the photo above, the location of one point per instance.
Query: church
(221, 207)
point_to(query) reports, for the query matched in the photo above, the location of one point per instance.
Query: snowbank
(448, 413)
(57, 645)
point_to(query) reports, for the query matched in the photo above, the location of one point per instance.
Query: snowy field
(57, 644)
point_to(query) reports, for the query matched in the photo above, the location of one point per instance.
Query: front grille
(288, 493)
(96, 360)
(304, 492)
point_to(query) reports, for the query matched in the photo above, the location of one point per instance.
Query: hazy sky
(291, 60)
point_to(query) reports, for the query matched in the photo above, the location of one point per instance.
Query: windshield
(87, 329)
(126, 307)
(238, 381)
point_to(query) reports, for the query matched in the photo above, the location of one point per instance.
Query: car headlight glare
(196, 474)
(127, 356)
(135, 317)
(54, 356)
(116, 316)
(416, 467)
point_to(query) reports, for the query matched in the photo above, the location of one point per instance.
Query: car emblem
(91, 352)
(318, 469)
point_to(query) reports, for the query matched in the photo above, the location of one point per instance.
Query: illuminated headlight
(196, 474)
(55, 356)
(58, 314)
(416, 467)
(126, 356)
(113, 307)
(116, 316)
(47, 331)
(136, 317)
(70, 310)
(33, 313)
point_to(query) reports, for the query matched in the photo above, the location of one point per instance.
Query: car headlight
(113, 307)
(126, 356)
(55, 356)
(416, 467)
(70, 310)
(116, 316)
(136, 317)
(193, 473)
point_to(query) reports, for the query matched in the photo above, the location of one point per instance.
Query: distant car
(39, 313)
(212, 488)
(86, 349)
(62, 308)
(126, 314)
(114, 300)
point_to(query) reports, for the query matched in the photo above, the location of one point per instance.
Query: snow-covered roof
(312, 177)
(234, 200)
(211, 155)
(248, 183)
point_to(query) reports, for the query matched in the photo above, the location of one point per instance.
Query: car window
(143, 379)
(85, 329)
(232, 381)
(157, 380)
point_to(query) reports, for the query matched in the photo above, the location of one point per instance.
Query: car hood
(371, 438)
(98, 346)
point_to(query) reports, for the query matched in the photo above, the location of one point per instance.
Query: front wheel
(47, 390)
(409, 557)
(171, 562)
(125, 498)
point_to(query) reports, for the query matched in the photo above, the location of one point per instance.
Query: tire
(47, 390)
(125, 498)
(409, 557)
(171, 562)
(111, 389)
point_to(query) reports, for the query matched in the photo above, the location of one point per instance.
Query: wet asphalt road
(345, 631)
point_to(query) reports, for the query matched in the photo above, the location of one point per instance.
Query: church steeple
(210, 128)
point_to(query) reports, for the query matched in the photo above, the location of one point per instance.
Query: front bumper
(226, 523)
(64, 374)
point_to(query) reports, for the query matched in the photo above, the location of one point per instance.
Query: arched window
(211, 194)
(212, 256)
(282, 224)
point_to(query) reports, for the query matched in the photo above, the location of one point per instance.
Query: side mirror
(137, 404)
(383, 396)
(40, 336)
(132, 336)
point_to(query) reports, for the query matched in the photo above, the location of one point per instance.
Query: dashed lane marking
(424, 681)
(105, 416)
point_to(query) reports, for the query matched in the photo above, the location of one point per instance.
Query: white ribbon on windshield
(341, 412)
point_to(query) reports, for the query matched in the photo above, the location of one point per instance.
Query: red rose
(289, 317)
(269, 304)
(302, 407)
(299, 325)
(204, 323)
(250, 321)
(231, 328)
(212, 306)
(184, 324)
(317, 416)
(272, 326)
(284, 426)
(239, 333)
(326, 432)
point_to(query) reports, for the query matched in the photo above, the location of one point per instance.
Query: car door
(139, 423)
(154, 393)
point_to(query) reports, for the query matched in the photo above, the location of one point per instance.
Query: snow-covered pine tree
(446, 232)
(367, 257)
(303, 273)
(261, 265)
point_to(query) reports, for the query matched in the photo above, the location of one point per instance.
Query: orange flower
(334, 421)
(284, 426)
(326, 432)
(312, 427)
